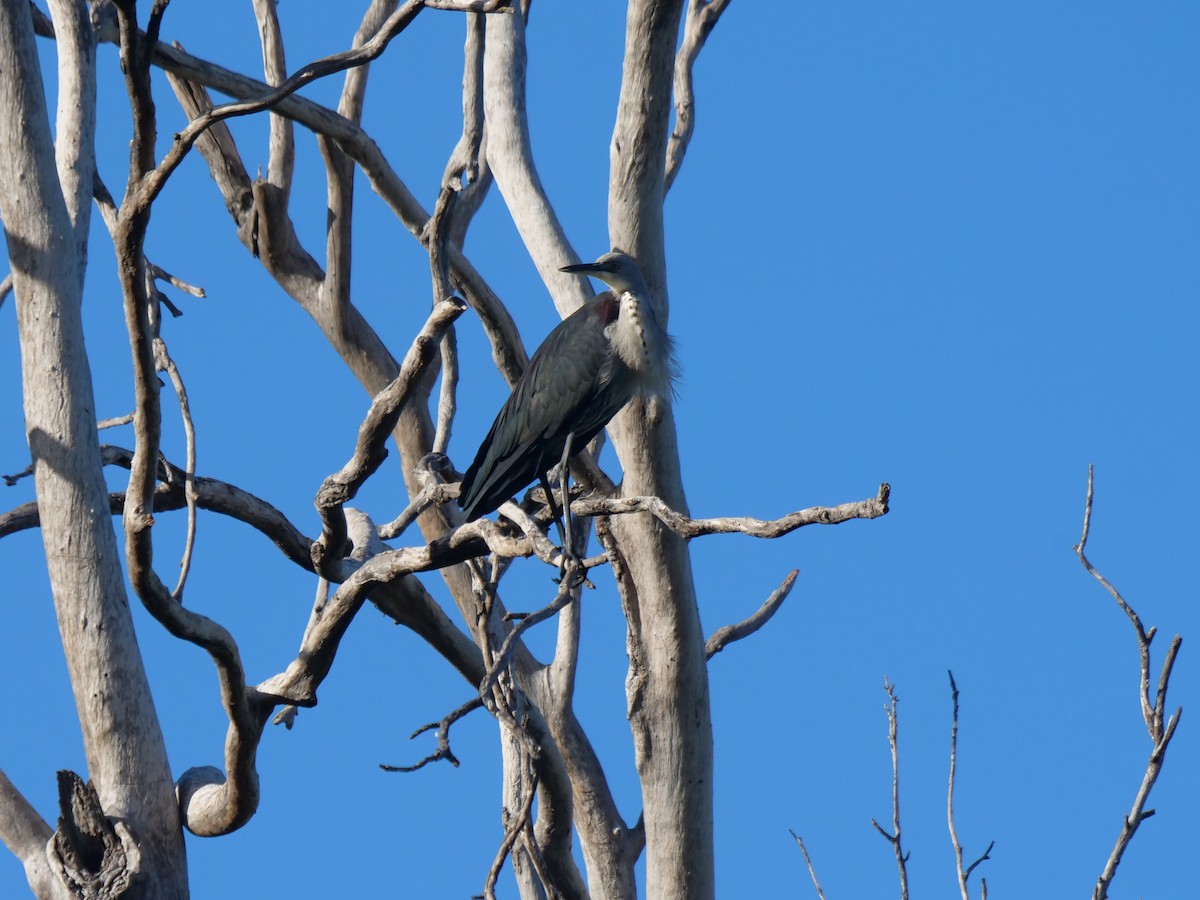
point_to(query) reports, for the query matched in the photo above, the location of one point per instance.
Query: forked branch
(1153, 710)
(963, 874)
(893, 837)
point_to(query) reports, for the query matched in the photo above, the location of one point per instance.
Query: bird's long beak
(583, 269)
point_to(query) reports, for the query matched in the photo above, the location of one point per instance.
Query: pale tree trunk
(667, 687)
(126, 757)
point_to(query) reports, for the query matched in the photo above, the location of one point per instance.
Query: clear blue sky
(951, 246)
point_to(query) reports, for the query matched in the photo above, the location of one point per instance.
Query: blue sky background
(951, 246)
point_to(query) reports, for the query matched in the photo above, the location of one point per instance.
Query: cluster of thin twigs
(1159, 728)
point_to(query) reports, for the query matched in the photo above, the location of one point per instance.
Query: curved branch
(370, 451)
(702, 16)
(726, 635)
(212, 808)
(211, 494)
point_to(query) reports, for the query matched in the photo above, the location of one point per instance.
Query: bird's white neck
(639, 341)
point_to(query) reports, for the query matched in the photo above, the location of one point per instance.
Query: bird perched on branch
(593, 363)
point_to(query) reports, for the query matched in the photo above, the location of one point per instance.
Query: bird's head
(616, 269)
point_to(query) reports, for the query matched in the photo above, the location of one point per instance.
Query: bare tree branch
(1153, 710)
(963, 874)
(701, 18)
(329, 65)
(282, 148)
(166, 364)
(381, 419)
(443, 736)
(244, 203)
(689, 528)
(510, 155)
(727, 634)
(568, 590)
(133, 781)
(893, 837)
(808, 862)
(75, 128)
(25, 833)
(210, 804)
(512, 830)
(466, 176)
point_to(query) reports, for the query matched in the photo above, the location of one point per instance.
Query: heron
(587, 369)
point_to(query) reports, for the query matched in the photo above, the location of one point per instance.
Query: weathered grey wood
(132, 777)
(667, 686)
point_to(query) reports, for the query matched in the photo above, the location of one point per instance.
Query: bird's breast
(637, 340)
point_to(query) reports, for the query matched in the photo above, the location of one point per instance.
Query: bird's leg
(553, 506)
(562, 537)
(564, 482)
(562, 517)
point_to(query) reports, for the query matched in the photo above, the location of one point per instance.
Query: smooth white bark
(667, 687)
(112, 696)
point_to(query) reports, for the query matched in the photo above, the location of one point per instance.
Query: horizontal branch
(211, 494)
(687, 527)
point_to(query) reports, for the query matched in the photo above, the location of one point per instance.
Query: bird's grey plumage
(592, 364)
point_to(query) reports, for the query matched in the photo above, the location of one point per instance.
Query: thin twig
(512, 831)
(963, 874)
(161, 274)
(443, 738)
(167, 364)
(893, 743)
(568, 590)
(808, 862)
(727, 634)
(1153, 710)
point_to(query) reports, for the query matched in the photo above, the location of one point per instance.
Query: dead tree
(120, 831)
